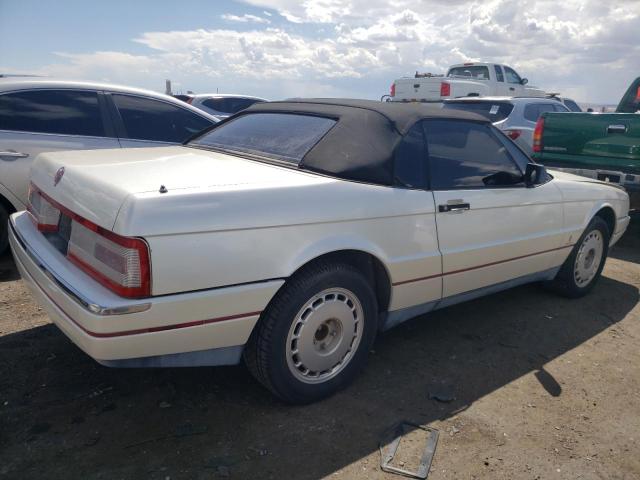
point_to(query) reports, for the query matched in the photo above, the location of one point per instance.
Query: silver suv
(42, 115)
(515, 116)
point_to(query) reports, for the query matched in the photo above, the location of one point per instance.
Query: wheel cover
(588, 258)
(324, 335)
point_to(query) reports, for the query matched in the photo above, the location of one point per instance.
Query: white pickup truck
(464, 80)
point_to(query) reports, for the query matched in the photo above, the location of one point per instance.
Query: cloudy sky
(588, 50)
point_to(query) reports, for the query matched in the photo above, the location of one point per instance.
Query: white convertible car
(290, 234)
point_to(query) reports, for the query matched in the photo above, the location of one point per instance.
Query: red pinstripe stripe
(150, 329)
(166, 327)
(480, 266)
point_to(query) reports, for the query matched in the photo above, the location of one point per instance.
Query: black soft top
(361, 145)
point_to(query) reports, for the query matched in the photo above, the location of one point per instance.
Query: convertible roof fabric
(361, 145)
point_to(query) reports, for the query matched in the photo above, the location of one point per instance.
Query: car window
(479, 72)
(467, 155)
(494, 111)
(559, 107)
(533, 111)
(148, 119)
(229, 105)
(512, 76)
(572, 106)
(499, 74)
(516, 152)
(283, 136)
(410, 159)
(65, 112)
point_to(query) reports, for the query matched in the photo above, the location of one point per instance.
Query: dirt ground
(544, 388)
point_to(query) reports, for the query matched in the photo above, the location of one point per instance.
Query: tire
(314, 337)
(580, 271)
(4, 229)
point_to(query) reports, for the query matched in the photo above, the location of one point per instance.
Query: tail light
(44, 213)
(445, 89)
(119, 263)
(638, 95)
(392, 91)
(513, 134)
(537, 135)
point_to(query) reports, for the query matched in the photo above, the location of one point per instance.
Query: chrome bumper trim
(78, 297)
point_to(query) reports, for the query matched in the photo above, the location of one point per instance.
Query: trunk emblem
(58, 176)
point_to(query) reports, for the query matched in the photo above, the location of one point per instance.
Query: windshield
(479, 72)
(282, 136)
(492, 111)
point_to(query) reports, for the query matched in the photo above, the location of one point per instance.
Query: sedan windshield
(282, 136)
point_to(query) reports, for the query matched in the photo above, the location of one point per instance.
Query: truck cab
(471, 79)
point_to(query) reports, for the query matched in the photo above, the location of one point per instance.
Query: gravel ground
(539, 387)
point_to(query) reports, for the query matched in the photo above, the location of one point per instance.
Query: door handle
(512, 89)
(13, 154)
(454, 207)
(617, 129)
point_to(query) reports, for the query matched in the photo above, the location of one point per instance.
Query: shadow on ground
(71, 418)
(8, 270)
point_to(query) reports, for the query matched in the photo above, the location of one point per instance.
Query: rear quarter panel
(254, 235)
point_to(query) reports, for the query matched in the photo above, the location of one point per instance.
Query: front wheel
(581, 270)
(315, 335)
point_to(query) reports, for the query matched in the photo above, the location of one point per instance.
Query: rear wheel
(314, 337)
(4, 229)
(581, 270)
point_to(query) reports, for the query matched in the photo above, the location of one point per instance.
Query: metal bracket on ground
(396, 433)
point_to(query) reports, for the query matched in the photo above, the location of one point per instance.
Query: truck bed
(602, 146)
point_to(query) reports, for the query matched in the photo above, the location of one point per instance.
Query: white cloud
(587, 49)
(246, 18)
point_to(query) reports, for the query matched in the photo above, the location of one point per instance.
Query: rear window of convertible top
(282, 136)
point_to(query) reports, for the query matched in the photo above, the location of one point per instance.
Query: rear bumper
(206, 327)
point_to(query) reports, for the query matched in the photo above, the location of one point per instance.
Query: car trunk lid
(95, 184)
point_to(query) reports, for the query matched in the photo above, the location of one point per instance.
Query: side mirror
(524, 81)
(535, 174)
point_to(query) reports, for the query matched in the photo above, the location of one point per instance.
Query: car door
(491, 228)
(418, 273)
(146, 122)
(514, 82)
(44, 120)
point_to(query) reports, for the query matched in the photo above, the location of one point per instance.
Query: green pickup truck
(604, 146)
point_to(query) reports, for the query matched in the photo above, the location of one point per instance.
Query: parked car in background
(604, 146)
(220, 105)
(464, 80)
(294, 232)
(516, 117)
(43, 115)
